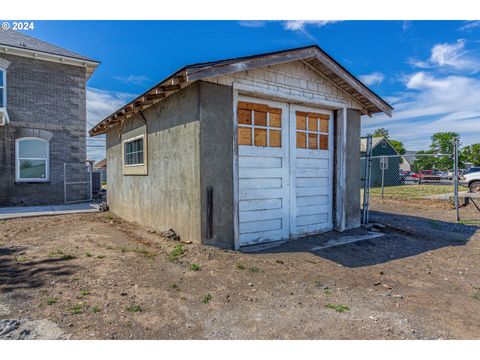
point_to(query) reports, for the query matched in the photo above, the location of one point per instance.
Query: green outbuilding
(389, 165)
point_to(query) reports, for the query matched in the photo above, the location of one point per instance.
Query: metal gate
(77, 182)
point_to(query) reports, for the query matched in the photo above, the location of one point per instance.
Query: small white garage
(242, 151)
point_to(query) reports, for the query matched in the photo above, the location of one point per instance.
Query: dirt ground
(94, 276)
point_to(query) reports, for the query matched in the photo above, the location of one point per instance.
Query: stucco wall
(169, 195)
(216, 147)
(347, 170)
(45, 100)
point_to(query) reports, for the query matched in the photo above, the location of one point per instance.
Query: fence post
(455, 175)
(65, 183)
(383, 174)
(366, 182)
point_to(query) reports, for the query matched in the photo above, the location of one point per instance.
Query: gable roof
(312, 55)
(375, 142)
(101, 164)
(16, 43)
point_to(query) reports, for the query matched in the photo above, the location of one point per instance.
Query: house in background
(389, 165)
(101, 167)
(42, 119)
(242, 151)
(405, 164)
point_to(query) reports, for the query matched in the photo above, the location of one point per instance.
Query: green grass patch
(108, 215)
(124, 249)
(77, 309)
(413, 191)
(176, 252)
(52, 300)
(134, 308)
(194, 267)
(55, 253)
(253, 269)
(470, 222)
(327, 292)
(240, 266)
(337, 307)
(207, 298)
(174, 286)
(145, 252)
(95, 309)
(21, 259)
(68, 257)
(87, 254)
(84, 292)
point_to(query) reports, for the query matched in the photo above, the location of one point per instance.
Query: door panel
(263, 171)
(311, 170)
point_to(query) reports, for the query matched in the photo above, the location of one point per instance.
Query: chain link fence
(394, 176)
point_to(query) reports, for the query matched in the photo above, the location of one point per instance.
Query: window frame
(129, 140)
(317, 132)
(384, 144)
(3, 88)
(383, 163)
(17, 160)
(267, 127)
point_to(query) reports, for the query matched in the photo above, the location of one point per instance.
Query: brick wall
(47, 100)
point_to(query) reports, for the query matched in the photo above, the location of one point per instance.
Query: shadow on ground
(17, 272)
(404, 236)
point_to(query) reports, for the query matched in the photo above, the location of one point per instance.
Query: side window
(31, 163)
(312, 130)
(133, 150)
(3, 88)
(259, 125)
(384, 144)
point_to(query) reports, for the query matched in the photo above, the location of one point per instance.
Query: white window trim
(384, 144)
(143, 150)
(17, 161)
(384, 163)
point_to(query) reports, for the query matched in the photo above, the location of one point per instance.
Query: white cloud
(300, 25)
(450, 55)
(469, 25)
(252, 23)
(373, 78)
(101, 103)
(432, 103)
(138, 80)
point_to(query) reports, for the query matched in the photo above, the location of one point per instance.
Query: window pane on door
(275, 138)
(244, 135)
(260, 137)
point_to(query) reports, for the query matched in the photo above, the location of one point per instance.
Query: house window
(384, 144)
(259, 125)
(384, 163)
(3, 88)
(134, 151)
(312, 130)
(31, 160)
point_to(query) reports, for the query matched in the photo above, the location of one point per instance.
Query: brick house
(242, 151)
(42, 118)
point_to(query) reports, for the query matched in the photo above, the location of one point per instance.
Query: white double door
(285, 191)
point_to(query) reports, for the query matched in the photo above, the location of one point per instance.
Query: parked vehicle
(472, 181)
(441, 174)
(473, 169)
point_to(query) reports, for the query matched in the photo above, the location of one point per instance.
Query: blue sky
(428, 70)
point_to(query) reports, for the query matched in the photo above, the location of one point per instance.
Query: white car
(472, 180)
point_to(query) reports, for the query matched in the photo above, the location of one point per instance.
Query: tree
(444, 143)
(471, 153)
(424, 162)
(398, 145)
(381, 132)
